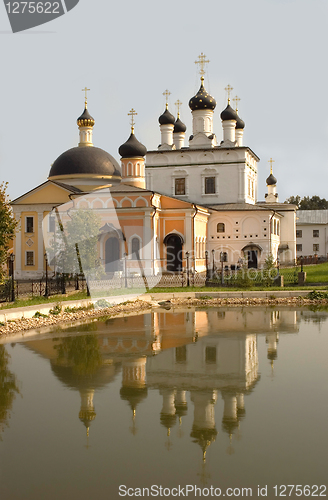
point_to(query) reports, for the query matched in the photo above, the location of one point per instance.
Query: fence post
(63, 285)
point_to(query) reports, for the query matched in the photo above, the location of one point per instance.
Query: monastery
(164, 209)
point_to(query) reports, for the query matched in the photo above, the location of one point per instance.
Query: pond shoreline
(147, 303)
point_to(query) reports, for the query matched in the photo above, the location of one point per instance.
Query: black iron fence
(26, 289)
(228, 276)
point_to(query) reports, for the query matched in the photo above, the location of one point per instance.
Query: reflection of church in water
(200, 356)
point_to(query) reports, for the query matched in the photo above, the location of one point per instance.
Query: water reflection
(203, 354)
(8, 389)
(195, 372)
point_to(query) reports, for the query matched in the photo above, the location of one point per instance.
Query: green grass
(317, 273)
(44, 300)
(233, 289)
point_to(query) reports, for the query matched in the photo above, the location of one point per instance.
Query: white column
(178, 139)
(40, 245)
(85, 136)
(148, 235)
(202, 121)
(239, 136)
(167, 134)
(229, 130)
(18, 248)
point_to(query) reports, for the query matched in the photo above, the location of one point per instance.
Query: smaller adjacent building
(312, 233)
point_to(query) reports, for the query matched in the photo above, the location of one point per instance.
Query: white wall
(308, 240)
(230, 166)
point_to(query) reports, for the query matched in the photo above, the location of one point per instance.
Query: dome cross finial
(236, 100)
(132, 113)
(202, 61)
(86, 90)
(178, 103)
(229, 89)
(271, 161)
(167, 93)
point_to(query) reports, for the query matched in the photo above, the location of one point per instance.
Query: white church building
(197, 200)
(223, 177)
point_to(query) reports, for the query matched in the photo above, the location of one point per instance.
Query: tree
(8, 225)
(307, 203)
(76, 243)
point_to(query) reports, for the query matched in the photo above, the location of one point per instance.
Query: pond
(206, 402)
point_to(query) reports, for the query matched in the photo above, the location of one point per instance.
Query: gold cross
(202, 61)
(236, 101)
(132, 113)
(86, 90)
(166, 93)
(178, 104)
(271, 161)
(229, 89)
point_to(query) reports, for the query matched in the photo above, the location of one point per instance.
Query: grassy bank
(315, 274)
(43, 300)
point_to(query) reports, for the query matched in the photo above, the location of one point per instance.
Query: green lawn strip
(44, 300)
(317, 273)
(234, 289)
(314, 274)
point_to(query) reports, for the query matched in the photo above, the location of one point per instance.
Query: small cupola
(132, 148)
(179, 126)
(166, 118)
(202, 100)
(229, 119)
(240, 125)
(85, 123)
(166, 124)
(179, 130)
(132, 154)
(229, 113)
(202, 106)
(271, 182)
(86, 168)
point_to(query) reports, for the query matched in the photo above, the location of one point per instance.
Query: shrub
(317, 295)
(56, 310)
(40, 315)
(101, 303)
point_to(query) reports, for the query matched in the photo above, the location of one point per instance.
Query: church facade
(171, 205)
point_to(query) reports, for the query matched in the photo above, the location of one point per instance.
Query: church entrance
(252, 259)
(112, 255)
(173, 244)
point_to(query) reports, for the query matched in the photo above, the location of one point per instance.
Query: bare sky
(273, 52)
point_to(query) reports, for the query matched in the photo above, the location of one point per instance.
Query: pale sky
(272, 52)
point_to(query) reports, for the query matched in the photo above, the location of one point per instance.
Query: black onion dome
(240, 123)
(271, 180)
(85, 120)
(166, 118)
(132, 148)
(179, 126)
(229, 114)
(85, 160)
(202, 100)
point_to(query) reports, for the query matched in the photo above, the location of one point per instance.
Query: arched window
(135, 248)
(220, 228)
